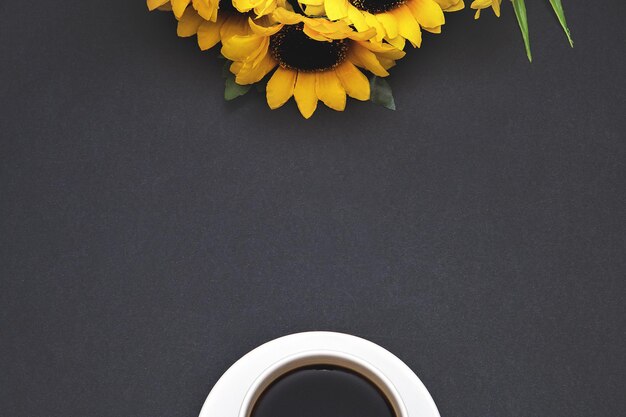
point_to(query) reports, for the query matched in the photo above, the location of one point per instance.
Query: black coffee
(325, 391)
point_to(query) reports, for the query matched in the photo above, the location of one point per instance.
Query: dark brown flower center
(377, 6)
(293, 49)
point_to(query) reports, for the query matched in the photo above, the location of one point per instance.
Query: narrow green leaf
(233, 90)
(381, 94)
(520, 12)
(558, 9)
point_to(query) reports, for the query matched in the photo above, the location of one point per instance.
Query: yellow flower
(194, 18)
(317, 60)
(208, 9)
(483, 4)
(394, 20)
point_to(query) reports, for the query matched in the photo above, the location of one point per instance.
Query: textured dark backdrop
(152, 234)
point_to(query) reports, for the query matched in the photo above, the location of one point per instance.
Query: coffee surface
(322, 392)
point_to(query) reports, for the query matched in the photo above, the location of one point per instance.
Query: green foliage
(520, 12)
(560, 14)
(381, 94)
(233, 90)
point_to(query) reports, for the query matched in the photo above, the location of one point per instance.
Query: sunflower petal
(305, 94)
(244, 6)
(250, 74)
(155, 4)
(371, 20)
(234, 26)
(367, 59)
(357, 18)
(389, 23)
(336, 9)
(280, 87)
(206, 8)
(435, 30)
(286, 16)
(407, 25)
(208, 35)
(241, 48)
(179, 6)
(262, 30)
(456, 7)
(427, 12)
(354, 81)
(383, 49)
(451, 5)
(330, 91)
(398, 42)
(189, 23)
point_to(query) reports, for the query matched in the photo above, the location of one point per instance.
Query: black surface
(322, 392)
(152, 234)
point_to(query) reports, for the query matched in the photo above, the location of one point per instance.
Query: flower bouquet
(319, 50)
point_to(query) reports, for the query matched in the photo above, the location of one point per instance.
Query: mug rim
(320, 357)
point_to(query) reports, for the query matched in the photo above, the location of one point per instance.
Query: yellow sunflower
(317, 60)
(208, 9)
(394, 20)
(205, 8)
(194, 17)
(483, 4)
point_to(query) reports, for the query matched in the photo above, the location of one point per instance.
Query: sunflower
(315, 59)
(208, 9)
(394, 20)
(483, 4)
(201, 17)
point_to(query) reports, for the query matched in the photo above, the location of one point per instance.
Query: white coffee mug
(237, 391)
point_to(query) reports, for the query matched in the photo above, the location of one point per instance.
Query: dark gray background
(152, 234)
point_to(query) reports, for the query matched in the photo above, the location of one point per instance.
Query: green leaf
(520, 12)
(558, 9)
(381, 94)
(233, 90)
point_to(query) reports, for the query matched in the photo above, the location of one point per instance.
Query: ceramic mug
(237, 391)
